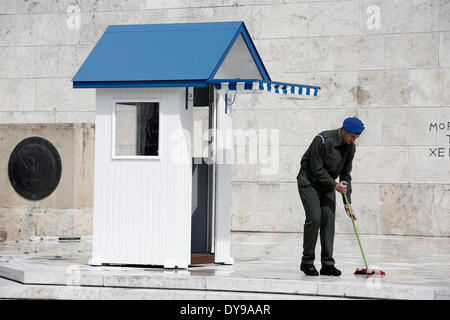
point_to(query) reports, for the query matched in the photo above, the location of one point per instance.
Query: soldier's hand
(341, 187)
(349, 211)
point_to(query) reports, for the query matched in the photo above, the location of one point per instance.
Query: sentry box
(154, 203)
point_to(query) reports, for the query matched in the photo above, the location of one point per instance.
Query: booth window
(137, 129)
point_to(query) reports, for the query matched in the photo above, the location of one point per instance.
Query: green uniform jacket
(327, 158)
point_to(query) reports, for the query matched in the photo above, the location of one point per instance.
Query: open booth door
(222, 146)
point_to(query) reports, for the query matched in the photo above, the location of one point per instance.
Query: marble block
(251, 120)
(245, 166)
(408, 126)
(255, 207)
(406, 209)
(301, 126)
(357, 52)
(444, 15)
(441, 214)
(444, 49)
(261, 285)
(337, 18)
(337, 88)
(366, 204)
(411, 51)
(373, 122)
(426, 15)
(308, 54)
(278, 163)
(395, 16)
(86, 100)
(144, 281)
(17, 94)
(375, 288)
(292, 217)
(381, 164)
(272, 53)
(165, 4)
(429, 87)
(381, 88)
(56, 94)
(429, 164)
(395, 208)
(289, 20)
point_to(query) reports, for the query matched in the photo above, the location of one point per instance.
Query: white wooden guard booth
(147, 187)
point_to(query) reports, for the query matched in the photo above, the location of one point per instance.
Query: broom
(366, 270)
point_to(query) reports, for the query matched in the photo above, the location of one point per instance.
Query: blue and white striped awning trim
(291, 90)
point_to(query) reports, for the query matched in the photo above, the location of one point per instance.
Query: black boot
(309, 269)
(329, 271)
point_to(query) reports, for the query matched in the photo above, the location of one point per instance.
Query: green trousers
(320, 208)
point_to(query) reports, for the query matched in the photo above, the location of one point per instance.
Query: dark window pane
(137, 129)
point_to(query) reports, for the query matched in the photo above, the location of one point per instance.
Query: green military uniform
(326, 158)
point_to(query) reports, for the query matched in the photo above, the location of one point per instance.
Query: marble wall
(385, 61)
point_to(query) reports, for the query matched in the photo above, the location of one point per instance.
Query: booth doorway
(202, 248)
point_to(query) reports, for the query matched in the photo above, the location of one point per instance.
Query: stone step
(158, 279)
(13, 290)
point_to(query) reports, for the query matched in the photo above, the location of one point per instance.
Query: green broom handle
(356, 231)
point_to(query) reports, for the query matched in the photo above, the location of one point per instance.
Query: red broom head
(370, 272)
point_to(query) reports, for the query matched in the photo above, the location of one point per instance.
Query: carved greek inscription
(442, 127)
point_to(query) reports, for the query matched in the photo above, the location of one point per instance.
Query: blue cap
(353, 125)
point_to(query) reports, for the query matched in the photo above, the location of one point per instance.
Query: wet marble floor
(266, 267)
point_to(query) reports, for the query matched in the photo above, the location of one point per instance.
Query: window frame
(113, 129)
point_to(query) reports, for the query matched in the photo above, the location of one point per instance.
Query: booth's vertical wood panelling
(142, 208)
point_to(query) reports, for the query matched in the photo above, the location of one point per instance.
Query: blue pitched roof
(180, 54)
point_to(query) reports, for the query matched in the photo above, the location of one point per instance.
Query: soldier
(330, 155)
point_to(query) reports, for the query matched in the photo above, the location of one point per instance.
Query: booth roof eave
(139, 84)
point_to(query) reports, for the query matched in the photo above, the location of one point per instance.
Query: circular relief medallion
(34, 168)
